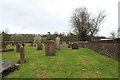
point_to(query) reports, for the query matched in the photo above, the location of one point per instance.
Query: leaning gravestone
(22, 55)
(50, 48)
(57, 40)
(75, 46)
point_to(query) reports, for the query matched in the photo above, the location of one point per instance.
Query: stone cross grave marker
(22, 55)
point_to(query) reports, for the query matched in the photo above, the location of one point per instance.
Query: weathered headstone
(22, 55)
(39, 46)
(75, 46)
(57, 40)
(17, 48)
(50, 48)
(37, 39)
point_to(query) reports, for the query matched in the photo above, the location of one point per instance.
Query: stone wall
(110, 48)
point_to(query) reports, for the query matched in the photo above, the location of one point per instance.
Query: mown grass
(68, 63)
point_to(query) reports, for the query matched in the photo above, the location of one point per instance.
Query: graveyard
(67, 63)
(59, 39)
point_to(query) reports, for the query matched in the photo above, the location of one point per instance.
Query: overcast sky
(41, 16)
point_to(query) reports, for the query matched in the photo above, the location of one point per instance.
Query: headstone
(17, 48)
(75, 46)
(50, 48)
(57, 40)
(22, 55)
(39, 46)
(37, 39)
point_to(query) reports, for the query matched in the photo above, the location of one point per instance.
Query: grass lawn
(68, 63)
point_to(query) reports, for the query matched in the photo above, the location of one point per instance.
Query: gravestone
(75, 46)
(39, 46)
(17, 47)
(50, 48)
(7, 67)
(57, 40)
(37, 39)
(22, 55)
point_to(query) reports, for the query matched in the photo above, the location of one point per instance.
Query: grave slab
(6, 67)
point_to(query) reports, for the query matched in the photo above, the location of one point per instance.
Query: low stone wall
(110, 48)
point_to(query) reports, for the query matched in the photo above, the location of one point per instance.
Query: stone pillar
(22, 55)
(39, 46)
(17, 48)
(50, 48)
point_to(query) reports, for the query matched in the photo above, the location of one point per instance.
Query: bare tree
(113, 34)
(95, 23)
(85, 25)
